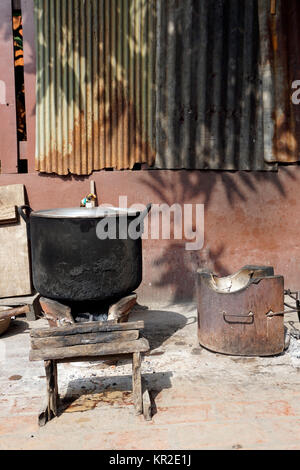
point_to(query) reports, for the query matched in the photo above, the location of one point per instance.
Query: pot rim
(85, 213)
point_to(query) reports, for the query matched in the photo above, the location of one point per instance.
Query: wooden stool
(89, 342)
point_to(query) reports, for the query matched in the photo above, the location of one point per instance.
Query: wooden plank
(31, 300)
(8, 215)
(117, 347)
(108, 357)
(8, 115)
(92, 327)
(87, 338)
(137, 383)
(14, 257)
(22, 300)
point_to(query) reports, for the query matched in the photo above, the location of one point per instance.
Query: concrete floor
(202, 400)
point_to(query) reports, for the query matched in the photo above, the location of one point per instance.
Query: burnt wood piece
(14, 312)
(137, 383)
(56, 313)
(116, 347)
(33, 302)
(93, 327)
(83, 339)
(50, 409)
(120, 310)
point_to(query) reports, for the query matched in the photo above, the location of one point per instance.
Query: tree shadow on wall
(209, 116)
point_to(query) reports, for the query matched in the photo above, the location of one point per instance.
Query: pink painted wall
(250, 218)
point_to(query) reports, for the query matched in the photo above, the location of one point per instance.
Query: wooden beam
(31, 300)
(108, 357)
(92, 327)
(116, 347)
(84, 339)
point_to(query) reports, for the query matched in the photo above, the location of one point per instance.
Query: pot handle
(235, 318)
(22, 212)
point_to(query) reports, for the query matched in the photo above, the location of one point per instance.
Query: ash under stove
(90, 311)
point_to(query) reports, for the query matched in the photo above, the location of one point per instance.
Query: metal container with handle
(241, 314)
(71, 263)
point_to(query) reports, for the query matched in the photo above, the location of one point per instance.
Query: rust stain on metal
(209, 111)
(284, 63)
(232, 312)
(95, 85)
(273, 7)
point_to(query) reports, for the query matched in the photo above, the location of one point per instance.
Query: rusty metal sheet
(8, 117)
(280, 36)
(95, 84)
(235, 320)
(209, 110)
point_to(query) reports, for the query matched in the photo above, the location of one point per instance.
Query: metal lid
(85, 213)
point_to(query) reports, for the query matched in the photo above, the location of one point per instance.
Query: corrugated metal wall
(95, 84)
(280, 40)
(209, 98)
(196, 84)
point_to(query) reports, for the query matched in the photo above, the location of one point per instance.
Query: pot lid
(85, 213)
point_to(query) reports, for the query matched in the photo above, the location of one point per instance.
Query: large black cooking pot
(70, 263)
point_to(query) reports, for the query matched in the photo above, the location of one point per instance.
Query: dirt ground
(201, 400)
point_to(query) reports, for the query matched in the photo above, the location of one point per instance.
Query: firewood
(120, 310)
(56, 313)
(14, 312)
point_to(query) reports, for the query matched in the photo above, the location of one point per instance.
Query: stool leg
(147, 408)
(52, 389)
(50, 407)
(137, 383)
